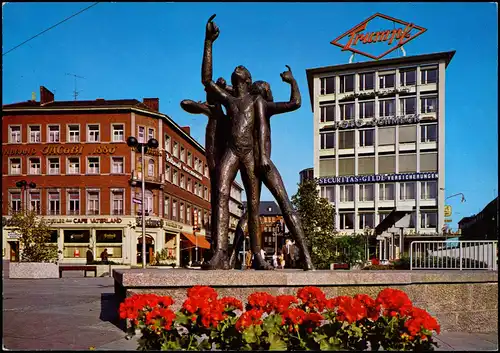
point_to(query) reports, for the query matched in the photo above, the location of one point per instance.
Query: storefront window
(76, 243)
(109, 239)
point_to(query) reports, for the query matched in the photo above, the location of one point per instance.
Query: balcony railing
(158, 179)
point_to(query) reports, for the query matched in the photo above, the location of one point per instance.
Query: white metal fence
(454, 255)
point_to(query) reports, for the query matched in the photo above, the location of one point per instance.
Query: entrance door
(14, 251)
(150, 250)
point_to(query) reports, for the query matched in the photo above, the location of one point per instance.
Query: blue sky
(137, 50)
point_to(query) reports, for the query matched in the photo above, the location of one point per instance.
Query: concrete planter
(33, 270)
(107, 270)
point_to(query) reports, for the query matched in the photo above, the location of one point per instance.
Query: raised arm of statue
(295, 99)
(193, 107)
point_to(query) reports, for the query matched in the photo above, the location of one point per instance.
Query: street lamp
(462, 200)
(24, 185)
(142, 147)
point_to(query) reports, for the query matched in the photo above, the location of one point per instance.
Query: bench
(78, 268)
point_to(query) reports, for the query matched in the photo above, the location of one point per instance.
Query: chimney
(152, 103)
(186, 129)
(46, 96)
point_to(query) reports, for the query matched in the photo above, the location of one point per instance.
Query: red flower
(294, 316)
(136, 306)
(373, 309)
(394, 301)
(311, 321)
(312, 298)
(261, 300)
(335, 302)
(283, 302)
(204, 292)
(375, 261)
(351, 310)
(231, 303)
(418, 319)
(249, 318)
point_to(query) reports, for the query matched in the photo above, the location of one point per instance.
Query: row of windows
(386, 164)
(428, 220)
(386, 136)
(367, 80)
(387, 192)
(179, 152)
(175, 177)
(386, 107)
(185, 213)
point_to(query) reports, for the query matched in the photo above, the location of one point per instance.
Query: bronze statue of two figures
(240, 140)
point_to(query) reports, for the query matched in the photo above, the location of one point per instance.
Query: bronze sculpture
(241, 140)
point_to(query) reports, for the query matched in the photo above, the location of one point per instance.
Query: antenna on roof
(75, 92)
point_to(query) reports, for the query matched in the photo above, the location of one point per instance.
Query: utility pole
(75, 92)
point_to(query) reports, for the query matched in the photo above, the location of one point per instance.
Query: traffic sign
(447, 211)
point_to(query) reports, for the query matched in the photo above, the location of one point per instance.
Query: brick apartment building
(88, 181)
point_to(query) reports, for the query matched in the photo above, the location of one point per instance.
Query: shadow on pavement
(109, 310)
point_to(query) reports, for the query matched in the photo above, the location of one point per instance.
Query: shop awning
(197, 240)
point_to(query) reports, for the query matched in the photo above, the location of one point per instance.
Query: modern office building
(379, 137)
(88, 181)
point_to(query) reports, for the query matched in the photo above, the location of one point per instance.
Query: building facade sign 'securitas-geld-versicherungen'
(377, 178)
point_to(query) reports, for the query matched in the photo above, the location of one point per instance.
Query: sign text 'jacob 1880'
(376, 178)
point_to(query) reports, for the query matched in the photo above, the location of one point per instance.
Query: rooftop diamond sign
(375, 34)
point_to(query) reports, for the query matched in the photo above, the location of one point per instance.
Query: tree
(35, 237)
(318, 222)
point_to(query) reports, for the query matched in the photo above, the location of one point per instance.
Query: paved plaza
(76, 313)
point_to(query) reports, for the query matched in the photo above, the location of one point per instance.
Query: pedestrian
(275, 260)
(104, 256)
(263, 254)
(288, 253)
(90, 256)
(248, 259)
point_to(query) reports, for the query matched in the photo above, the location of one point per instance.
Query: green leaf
(249, 335)
(276, 343)
(181, 318)
(332, 344)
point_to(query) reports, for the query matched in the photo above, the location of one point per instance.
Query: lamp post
(462, 200)
(142, 147)
(24, 185)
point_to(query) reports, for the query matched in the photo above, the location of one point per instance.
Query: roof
(80, 104)
(267, 208)
(310, 73)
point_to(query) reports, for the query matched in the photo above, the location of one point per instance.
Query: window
(408, 105)
(167, 173)
(181, 212)
(327, 140)
(366, 220)
(15, 202)
(188, 215)
(386, 192)
(366, 137)
(183, 154)
(205, 193)
(428, 133)
(428, 105)
(166, 207)
(117, 202)
(92, 133)
(183, 185)
(148, 202)
(366, 165)
(328, 192)
(118, 132)
(428, 190)
(366, 81)
(386, 136)
(428, 220)
(387, 107)
(387, 164)
(346, 111)
(407, 191)
(73, 165)
(15, 166)
(141, 131)
(73, 203)
(74, 133)
(366, 192)
(175, 152)
(346, 166)
(327, 113)
(346, 193)
(189, 159)
(151, 133)
(195, 163)
(174, 210)
(408, 134)
(15, 134)
(35, 165)
(366, 109)
(151, 168)
(34, 134)
(54, 203)
(386, 80)
(428, 162)
(167, 143)
(54, 166)
(117, 165)
(206, 171)
(92, 165)
(407, 163)
(346, 83)
(54, 133)
(408, 77)
(189, 185)
(327, 85)
(428, 76)
(35, 201)
(174, 177)
(346, 139)
(382, 216)
(92, 202)
(347, 220)
(195, 188)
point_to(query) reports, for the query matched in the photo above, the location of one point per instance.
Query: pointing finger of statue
(211, 18)
(288, 67)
